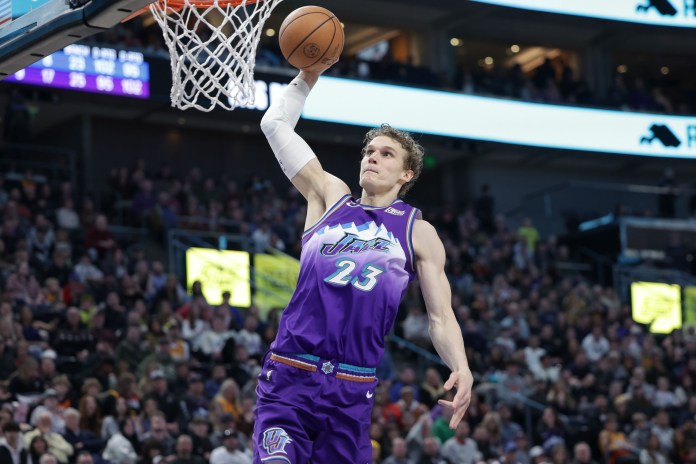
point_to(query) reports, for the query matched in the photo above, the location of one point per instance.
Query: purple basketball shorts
(312, 417)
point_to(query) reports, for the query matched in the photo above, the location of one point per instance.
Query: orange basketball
(311, 38)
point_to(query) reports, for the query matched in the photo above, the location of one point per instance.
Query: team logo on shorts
(274, 440)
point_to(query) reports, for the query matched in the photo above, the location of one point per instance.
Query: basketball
(311, 38)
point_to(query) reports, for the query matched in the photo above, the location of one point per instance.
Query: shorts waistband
(313, 363)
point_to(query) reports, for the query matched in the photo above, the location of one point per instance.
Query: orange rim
(179, 4)
(202, 3)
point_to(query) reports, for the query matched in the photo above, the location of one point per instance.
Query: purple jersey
(355, 266)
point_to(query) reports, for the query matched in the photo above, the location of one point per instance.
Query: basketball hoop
(212, 45)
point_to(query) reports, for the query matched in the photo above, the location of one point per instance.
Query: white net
(212, 45)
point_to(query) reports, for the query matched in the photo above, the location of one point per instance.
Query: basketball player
(316, 389)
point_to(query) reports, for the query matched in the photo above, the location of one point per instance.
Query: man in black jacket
(12, 450)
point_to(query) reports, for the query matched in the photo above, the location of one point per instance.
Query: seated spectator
(26, 382)
(100, 239)
(663, 431)
(80, 439)
(23, 286)
(132, 350)
(87, 273)
(158, 432)
(40, 240)
(415, 326)
(161, 359)
(84, 457)
(184, 452)
(167, 403)
(460, 448)
(66, 216)
(144, 201)
(233, 315)
(12, 449)
(398, 452)
(59, 268)
(229, 451)
(212, 341)
(56, 444)
(120, 449)
(407, 377)
(227, 401)
(613, 443)
(667, 397)
(72, 337)
(193, 325)
(49, 405)
(250, 338)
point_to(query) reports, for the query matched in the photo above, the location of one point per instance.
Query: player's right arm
(296, 158)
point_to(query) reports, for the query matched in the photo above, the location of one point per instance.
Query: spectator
(100, 239)
(200, 435)
(166, 401)
(85, 457)
(158, 432)
(431, 452)
(131, 350)
(49, 406)
(460, 448)
(664, 432)
(56, 444)
(184, 452)
(229, 451)
(595, 344)
(80, 439)
(652, 453)
(23, 286)
(66, 216)
(12, 450)
(233, 315)
(249, 337)
(212, 341)
(415, 326)
(120, 449)
(227, 401)
(398, 453)
(432, 389)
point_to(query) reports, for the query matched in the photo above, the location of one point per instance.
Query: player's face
(382, 165)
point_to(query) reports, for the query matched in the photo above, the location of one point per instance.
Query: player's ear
(407, 176)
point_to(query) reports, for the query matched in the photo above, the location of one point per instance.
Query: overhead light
(455, 42)
(515, 48)
(488, 60)
(664, 70)
(621, 69)
(270, 32)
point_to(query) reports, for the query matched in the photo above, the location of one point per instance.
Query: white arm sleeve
(278, 124)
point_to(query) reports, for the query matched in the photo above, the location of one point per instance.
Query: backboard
(33, 29)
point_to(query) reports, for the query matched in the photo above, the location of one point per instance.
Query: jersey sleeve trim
(415, 214)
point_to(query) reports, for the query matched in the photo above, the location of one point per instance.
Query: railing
(555, 207)
(55, 164)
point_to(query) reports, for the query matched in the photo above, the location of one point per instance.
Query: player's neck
(376, 199)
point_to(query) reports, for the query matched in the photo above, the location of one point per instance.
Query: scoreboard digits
(90, 69)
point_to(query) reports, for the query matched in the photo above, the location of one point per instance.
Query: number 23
(344, 275)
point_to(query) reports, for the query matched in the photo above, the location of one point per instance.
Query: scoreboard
(90, 69)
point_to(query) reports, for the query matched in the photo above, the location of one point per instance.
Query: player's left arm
(444, 328)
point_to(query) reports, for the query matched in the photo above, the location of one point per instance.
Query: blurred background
(146, 253)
